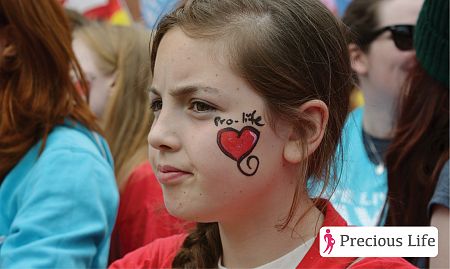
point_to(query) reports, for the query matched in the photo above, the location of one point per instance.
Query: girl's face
(211, 146)
(387, 65)
(100, 84)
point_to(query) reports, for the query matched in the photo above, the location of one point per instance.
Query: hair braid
(201, 249)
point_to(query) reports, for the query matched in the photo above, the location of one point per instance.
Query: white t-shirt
(290, 260)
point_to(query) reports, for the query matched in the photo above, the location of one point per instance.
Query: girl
(58, 197)
(115, 61)
(249, 98)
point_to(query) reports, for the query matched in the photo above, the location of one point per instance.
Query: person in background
(417, 159)
(76, 19)
(115, 62)
(250, 97)
(111, 11)
(58, 197)
(382, 53)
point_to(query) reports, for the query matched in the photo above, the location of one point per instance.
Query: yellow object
(356, 99)
(120, 17)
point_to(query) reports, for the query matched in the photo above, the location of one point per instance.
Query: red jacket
(160, 253)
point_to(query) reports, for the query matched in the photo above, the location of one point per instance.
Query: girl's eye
(199, 106)
(156, 105)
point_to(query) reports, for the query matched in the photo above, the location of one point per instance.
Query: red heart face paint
(238, 145)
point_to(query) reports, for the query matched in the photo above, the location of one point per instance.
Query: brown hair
(419, 149)
(36, 89)
(127, 117)
(361, 16)
(290, 52)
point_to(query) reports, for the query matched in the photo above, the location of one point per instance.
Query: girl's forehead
(188, 65)
(184, 60)
(398, 12)
(177, 43)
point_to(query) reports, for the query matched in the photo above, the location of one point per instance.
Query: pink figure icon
(330, 241)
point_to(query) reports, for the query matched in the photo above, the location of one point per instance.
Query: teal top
(361, 192)
(57, 209)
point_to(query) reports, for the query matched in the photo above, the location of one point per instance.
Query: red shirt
(161, 253)
(142, 215)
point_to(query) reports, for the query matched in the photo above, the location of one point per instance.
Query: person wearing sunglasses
(418, 156)
(382, 53)
(401, 34)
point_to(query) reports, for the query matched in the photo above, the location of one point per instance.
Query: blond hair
(127, 118)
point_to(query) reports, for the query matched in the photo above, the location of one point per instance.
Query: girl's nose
(163, 135)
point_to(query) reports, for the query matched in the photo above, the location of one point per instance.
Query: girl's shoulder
(158, 254)
(74, 136)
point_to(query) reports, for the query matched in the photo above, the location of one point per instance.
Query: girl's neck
(379, 112)
(258, 241)
(378, 121)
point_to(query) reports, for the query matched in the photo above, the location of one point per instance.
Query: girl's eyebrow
(191, 89)
(186, 90)
(153, 90)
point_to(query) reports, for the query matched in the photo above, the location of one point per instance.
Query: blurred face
(387, 65)
(100, 84)
(211, 146)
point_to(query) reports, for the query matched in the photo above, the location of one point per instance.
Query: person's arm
(440, 219)
(438, 210)
(65, 213)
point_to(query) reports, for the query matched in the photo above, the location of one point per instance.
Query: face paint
(238, 145)
(246, 117)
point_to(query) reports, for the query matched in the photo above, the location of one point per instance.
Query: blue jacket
(360, 194)
(57, 209)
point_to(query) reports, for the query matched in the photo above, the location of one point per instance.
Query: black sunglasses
(401, 34)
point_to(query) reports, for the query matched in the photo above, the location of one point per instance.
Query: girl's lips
(168, 169)
(170, 175)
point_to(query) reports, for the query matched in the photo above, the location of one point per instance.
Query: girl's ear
(358, 59)
(316, 113)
